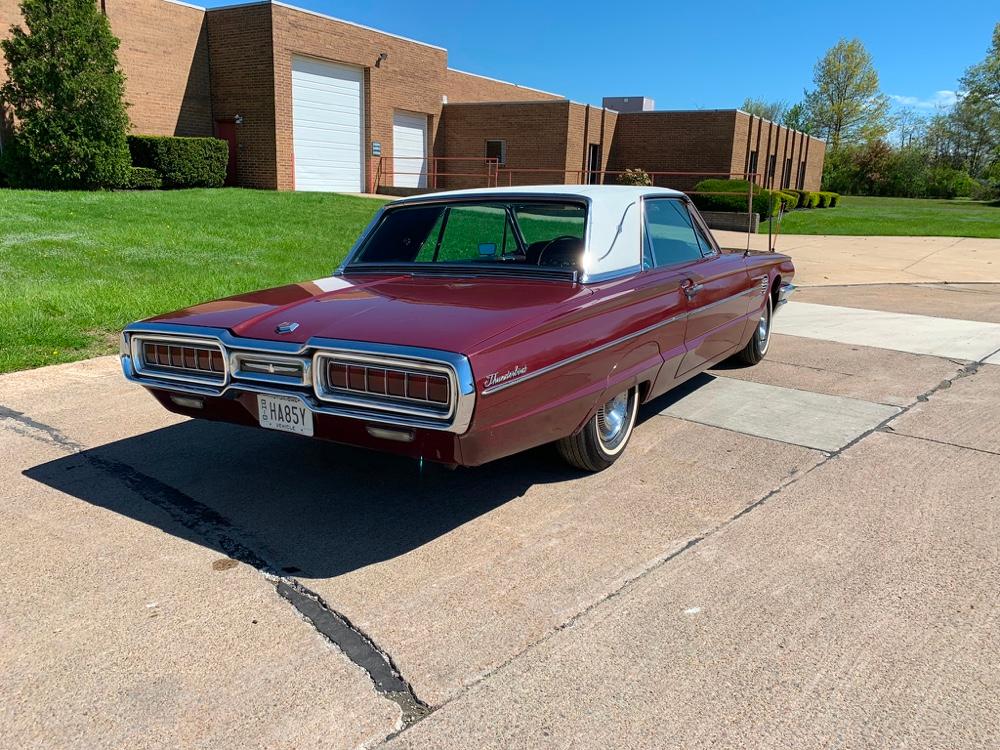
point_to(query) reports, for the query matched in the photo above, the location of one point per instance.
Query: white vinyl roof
(613, 228)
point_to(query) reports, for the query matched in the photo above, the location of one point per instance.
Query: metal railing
(432, 171)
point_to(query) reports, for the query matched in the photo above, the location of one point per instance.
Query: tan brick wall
(697, 141)
(164, 53)
(767, 138)
(535, 132)
(411, 79)
(460, 86)
(243, 84)
(588, 125)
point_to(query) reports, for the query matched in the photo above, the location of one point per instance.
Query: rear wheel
(756, 348)
(605, 436)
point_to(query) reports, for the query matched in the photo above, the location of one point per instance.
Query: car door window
(707, 248)
(669, 234)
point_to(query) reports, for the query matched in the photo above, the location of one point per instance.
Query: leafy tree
(910, 127)
(768, 110)
(796, 117)
(846, 105)
(66, 90)
(982, 81)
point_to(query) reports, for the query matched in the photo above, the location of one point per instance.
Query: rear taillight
(391, 382)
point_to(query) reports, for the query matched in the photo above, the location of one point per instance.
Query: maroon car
(467, 326)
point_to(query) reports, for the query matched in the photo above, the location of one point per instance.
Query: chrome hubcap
(764, 328)
(612, 419)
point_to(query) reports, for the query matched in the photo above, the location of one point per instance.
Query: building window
(752, 166)
(786, 175)
(771, 162)
(802, 176)
(497, 150)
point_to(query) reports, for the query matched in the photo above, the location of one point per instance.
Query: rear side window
(670, 236)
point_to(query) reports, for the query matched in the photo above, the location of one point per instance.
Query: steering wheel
(548, 246)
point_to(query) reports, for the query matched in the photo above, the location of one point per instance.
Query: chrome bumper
(234, 347)
(784, 292)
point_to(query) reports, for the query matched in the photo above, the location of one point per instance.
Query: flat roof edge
(507, 83)
(317, 14)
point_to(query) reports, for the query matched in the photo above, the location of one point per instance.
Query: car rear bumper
(238, 407)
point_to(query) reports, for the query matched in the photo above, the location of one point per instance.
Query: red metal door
(718, 290)
(226, 131)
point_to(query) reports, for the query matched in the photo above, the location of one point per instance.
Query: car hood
(452, 314)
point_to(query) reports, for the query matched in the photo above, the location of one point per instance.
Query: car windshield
(545, 235)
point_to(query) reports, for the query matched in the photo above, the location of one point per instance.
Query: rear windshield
(547, 234)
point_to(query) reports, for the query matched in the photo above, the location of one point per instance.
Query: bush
(834, 199)
(791, 199)
(182, 162)
(764, 201)
(65, 92)
(809, 199)
(825, 198)
(635, 177)
(143, 178)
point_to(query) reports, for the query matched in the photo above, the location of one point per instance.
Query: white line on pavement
(919, 334)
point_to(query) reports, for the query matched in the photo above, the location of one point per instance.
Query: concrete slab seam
(693, 542)
(207, 523)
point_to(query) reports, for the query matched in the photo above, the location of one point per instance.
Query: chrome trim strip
(582, 355)
(597, 349)
(464, 381)
(611, 275)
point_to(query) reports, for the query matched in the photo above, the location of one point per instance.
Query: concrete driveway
(801, 554)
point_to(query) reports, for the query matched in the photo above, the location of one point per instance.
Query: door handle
(691, 289)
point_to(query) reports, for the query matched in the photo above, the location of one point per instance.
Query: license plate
(285, 413)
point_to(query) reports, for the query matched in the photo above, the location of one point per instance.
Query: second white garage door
(409, 148)
(328, 126)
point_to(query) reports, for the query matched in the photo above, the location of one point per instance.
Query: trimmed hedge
(182, 162)
(142, 178)
(764, 202)
(809, 199)
(827, 199)
(791, 199)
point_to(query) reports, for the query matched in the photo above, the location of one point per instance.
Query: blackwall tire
(604, 437)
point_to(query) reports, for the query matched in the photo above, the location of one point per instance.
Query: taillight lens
(411, 385)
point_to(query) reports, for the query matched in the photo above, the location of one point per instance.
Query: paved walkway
(798, 554)
(824, 260)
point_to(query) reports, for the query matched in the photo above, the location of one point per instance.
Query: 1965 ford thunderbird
(467, 326)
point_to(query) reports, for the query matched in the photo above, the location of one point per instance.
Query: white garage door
(409, 149)
(327, 123)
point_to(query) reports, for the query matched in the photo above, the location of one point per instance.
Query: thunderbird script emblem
(286, 327)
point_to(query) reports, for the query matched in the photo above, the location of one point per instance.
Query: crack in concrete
(49, 434)
(215, 528)
(790, 479)
(350, 640)
(890, 431)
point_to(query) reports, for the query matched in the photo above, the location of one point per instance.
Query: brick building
(311, 102)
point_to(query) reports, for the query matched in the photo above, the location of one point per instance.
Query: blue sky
(688, 55)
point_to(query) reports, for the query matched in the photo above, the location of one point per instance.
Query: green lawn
(897, 216)
(76, 267)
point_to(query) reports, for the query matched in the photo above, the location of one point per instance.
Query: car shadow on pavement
(304, 507)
